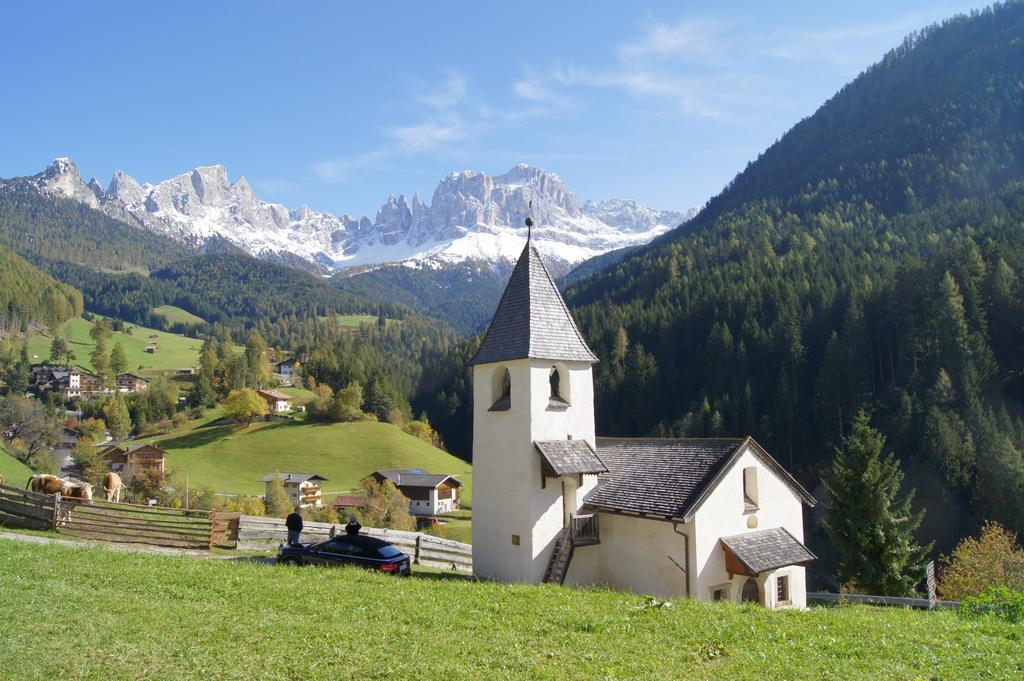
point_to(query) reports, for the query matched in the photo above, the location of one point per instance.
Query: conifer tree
(278, 503)
(201, 394)
(99, 358)
(60, 352)
(118, 359)
(119, 421)
(871, 531)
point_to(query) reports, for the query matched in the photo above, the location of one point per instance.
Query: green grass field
(15, 472)
(234, 458)
(174, 352)
(66, 616)
(300, 396)
(176, 314)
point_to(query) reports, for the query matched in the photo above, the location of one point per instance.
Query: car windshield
(388, 551)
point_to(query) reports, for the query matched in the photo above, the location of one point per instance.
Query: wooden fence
(126, 523)
(21, 508)
(195, 529)
(255, 532)
(899, 601)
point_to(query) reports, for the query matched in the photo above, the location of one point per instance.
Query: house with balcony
(303, 489)
(429, 494)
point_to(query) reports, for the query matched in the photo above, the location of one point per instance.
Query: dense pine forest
(872, 258)
(31, 299)
(51, 229)
(463, 295)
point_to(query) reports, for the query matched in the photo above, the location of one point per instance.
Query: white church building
(713, 519)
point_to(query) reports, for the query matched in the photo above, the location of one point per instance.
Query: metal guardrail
(900, 601)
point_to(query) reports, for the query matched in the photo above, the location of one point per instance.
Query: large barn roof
(532, 321)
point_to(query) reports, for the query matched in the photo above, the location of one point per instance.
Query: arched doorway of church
(750, 593)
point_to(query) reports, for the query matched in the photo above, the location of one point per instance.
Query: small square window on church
(718, 595)
(782, 588)
(515, 540)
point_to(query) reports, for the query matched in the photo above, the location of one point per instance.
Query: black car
(348, 549)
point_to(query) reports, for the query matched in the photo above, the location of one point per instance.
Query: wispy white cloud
(414, 139)
(440, 124)
(538, 89)
(692, 39)
(334, 170)
(646, 67)
(699, 66)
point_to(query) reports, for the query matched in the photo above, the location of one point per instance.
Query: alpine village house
(713, 519)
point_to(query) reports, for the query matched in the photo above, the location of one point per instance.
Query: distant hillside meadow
(234, 458)
(96, 614)
(172, 351)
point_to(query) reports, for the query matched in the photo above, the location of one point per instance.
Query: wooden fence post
(56, 510)
(213, 526)
(419, 538)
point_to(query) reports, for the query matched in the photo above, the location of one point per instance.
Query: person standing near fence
(294, 524)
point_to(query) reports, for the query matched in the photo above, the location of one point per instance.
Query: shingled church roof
(532, 321)
(670, 477)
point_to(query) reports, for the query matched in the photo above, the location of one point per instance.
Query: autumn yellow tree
(244, 405)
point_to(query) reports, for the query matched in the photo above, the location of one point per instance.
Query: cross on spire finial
(529, 223)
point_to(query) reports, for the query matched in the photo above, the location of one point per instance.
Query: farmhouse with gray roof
(710, 518)
(429, 494)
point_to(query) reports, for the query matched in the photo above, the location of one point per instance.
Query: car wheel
(293, 562)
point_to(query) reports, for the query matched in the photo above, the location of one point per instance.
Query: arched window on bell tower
(501, 390)
(558, 396)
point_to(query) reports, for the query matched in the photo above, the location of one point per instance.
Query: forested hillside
(50, 229)
(463, 295)
(873, 257)
(29, 298)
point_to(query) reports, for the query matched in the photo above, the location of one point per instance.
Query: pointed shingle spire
(532, 321)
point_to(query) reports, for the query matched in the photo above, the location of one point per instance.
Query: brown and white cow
(112, 485)
(51, 484)
(82, 490)
(47, 484)
(1, 479)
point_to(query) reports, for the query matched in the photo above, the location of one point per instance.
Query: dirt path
(134, 548)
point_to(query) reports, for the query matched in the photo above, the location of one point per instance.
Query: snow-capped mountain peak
(471, 216)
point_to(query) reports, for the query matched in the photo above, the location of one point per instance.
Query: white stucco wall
(508, 498)
(723, 515)
(642, 555)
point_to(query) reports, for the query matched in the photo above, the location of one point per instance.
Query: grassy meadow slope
(175, 315)
(15, 473)
(174, 351)
(234, 458)
(189, 618)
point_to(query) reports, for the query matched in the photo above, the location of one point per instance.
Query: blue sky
(336, 105)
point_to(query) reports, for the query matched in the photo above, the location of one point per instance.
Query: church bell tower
(533, 427)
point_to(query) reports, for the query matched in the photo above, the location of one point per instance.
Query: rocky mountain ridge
(471, 217)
